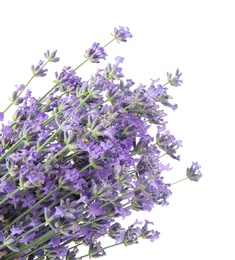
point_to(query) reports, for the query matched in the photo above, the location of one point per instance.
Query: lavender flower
(131, 235)
(95, 53)
(116, 231)
(96, 250)
(175, 81)
(114, 71)
(80, 157)
(121, 34)
(51, 56)
(149, 234)
(38, 71)
(193, 172)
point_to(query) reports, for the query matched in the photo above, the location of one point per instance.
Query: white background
(195, 36)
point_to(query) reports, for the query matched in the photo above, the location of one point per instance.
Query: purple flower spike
(149, 234)
(95, 53)
(193, 172)
(121, 34)
(175, 81)
(51, 57)
(38, 71)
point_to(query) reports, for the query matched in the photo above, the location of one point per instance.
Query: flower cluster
(79, 157)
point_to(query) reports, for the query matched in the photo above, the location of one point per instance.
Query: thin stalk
(165, 84)
(109, 42)
(103, 248)
(18, 94)
(80, 64)
(48, 92)
(23, 88)
(84, 168)
(178, 181)
(49, 139)
(4, 176)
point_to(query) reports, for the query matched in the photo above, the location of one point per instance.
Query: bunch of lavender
(75, 160)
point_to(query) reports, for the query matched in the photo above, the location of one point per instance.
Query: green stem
(84, 168)
(161, 155)
(165, 84)
(49, 139)
(80, 64)
(35, 205)
(88, 59)
(69, 241)
(103, 248)
(13, 148)
(8, 107)
(109, 42)
(179, 181)
(24, 88)
(48, 92)
(5, 176)
(19, 94)
(113, 245)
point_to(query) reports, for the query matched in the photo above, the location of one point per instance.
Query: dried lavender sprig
(88, 58)
(26, 85)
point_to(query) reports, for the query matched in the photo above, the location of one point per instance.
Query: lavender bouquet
(79, 159)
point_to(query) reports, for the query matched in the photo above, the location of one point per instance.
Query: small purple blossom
(193, 172)
(51, 56)
(114, 71)
(121, 34)
(175, 81)
(96, 250)
(16, 230)
(95, 53)
(149, 234)
(38, 71)
(95, 209)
